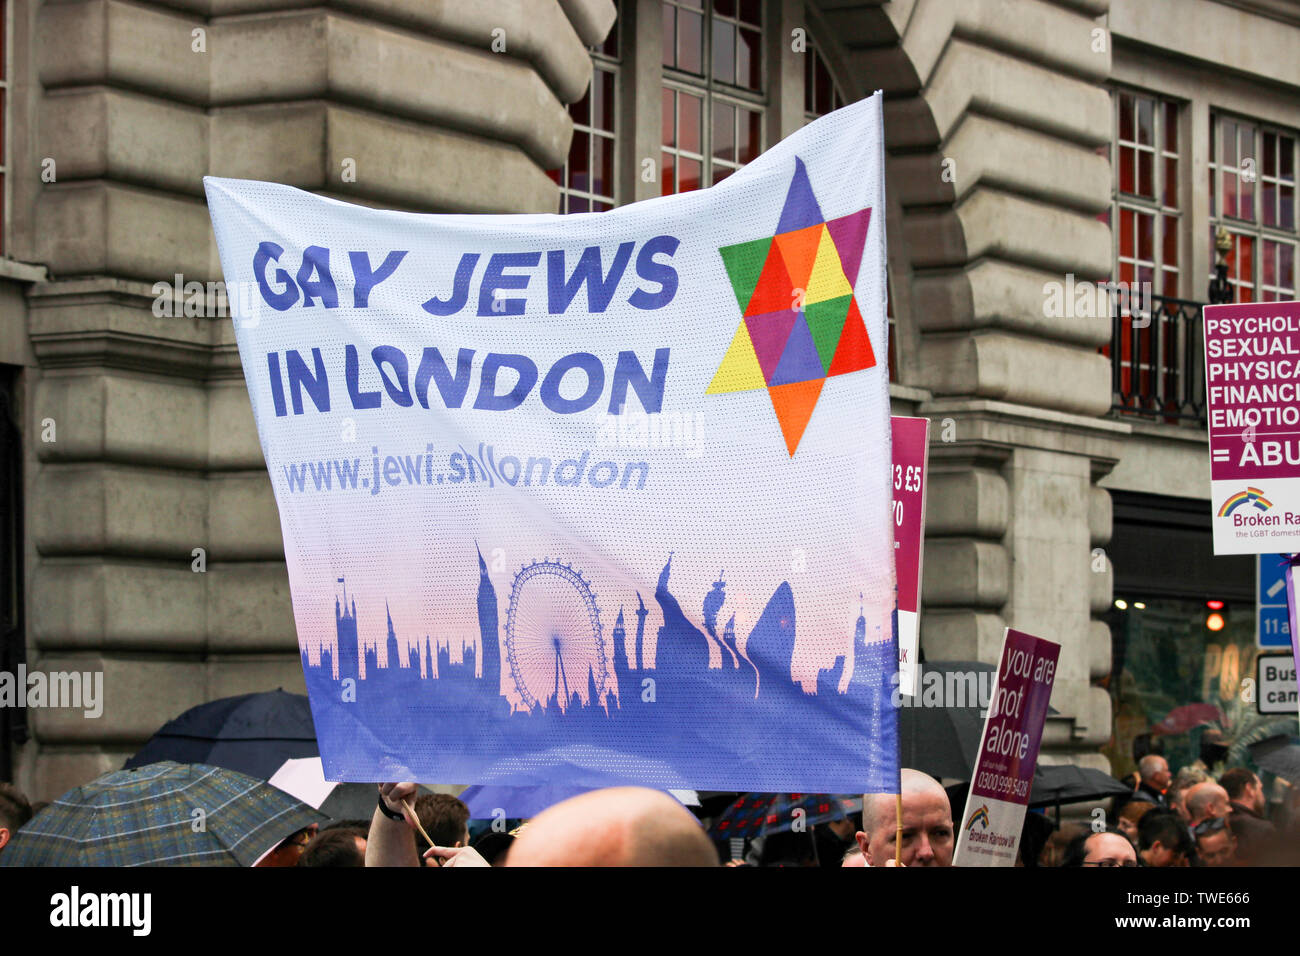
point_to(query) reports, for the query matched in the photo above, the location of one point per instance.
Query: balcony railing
(1157, 369)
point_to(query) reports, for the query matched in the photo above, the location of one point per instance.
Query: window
(1147, 358)
(1146, 215)
(587, 180)
(1252, 195)
(713, 90)
(821, 94)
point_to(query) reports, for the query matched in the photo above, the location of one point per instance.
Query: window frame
(710, 91)
(1253, 230)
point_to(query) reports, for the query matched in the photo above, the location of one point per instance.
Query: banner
(911, 442)
(592, 499)
(1252, 375)
(1004, 770)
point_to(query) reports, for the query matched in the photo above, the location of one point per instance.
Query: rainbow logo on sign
(980, 816)
(800, 323)
(1251, 496)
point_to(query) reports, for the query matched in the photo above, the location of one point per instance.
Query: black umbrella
(944, 741)
(253, 734)
(1279, 756)
(1066, 783)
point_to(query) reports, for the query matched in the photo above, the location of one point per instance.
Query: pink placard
(1003, 776)
(911, 442)
(1252, 391)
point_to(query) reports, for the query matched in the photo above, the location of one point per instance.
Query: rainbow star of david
(800, 323)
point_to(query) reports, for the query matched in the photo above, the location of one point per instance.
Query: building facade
(1031, 144)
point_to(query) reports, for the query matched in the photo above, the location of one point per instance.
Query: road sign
(1275, 682)
(1272, 625)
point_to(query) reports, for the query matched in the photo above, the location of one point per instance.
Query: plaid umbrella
(165, 814)
(758, 814)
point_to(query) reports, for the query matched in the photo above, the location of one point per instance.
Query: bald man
(928, 838)
(1207, 801)
(621, 826)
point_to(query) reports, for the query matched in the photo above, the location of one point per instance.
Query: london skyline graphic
(567, 702)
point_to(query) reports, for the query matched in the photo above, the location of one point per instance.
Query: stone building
(1019, 133)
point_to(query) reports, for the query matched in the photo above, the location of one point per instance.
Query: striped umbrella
(163, 814)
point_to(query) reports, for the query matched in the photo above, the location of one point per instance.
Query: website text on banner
(587, 500)
(1252, 376)
(911, 443)
(1004, 770)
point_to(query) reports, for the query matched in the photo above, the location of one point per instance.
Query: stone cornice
(108, 322)
(988, 432)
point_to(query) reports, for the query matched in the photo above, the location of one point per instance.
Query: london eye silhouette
(554, 642)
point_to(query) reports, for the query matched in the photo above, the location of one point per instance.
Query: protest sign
(989, 833)
(1252, 374)
(592, 499)
(911, 441)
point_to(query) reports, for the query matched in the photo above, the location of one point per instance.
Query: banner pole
(898, 837)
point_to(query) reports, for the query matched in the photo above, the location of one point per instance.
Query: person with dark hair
(290, 848)
(1163, 840)
(336, 846)
(15, 811)
(1215, 843)
(444, 818)
(1104, 849)
(362, 825)
(1130, 815)
(1253, 831)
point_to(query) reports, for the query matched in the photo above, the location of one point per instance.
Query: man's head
(1245, 788)
(1100, 849)
(1130, 815)
(927, 823)
(621, 826)
(290, 849)
(1206, 800)
(853, 857)
(1163, 839)
(15, 811)
(1154, 770)
(444, 818)
(340, 846)
(1215, 842)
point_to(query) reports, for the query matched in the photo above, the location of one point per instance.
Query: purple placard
(911, 448)
(1013, 731)
(1251, 353)
(1252, 391)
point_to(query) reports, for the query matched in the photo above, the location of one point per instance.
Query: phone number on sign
(1002, 784)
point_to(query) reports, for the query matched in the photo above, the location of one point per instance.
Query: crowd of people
(1187, 818)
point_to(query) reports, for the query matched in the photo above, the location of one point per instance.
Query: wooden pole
(898, 836)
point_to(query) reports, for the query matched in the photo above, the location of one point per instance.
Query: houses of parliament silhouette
(691, 680)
